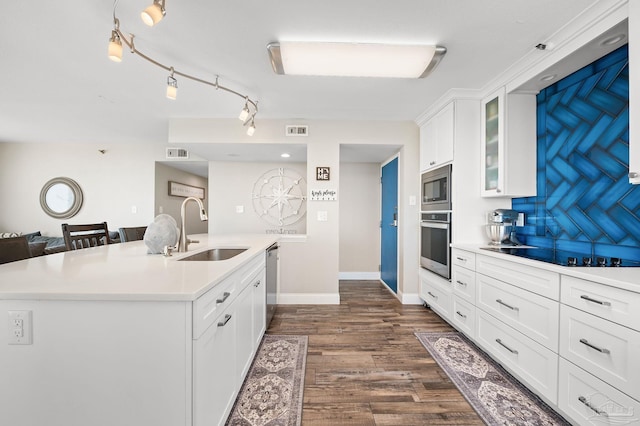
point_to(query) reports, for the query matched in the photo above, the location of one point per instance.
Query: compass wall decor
(279, 197)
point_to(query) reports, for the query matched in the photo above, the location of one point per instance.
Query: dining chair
(132, 234)
(14, 248)
(83, 236)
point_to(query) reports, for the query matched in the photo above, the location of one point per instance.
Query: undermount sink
(215, 254)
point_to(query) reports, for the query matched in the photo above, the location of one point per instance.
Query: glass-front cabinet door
(493, 143)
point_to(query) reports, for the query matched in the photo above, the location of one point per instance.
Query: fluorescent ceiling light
(354, 59)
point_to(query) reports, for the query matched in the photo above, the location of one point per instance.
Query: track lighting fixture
(115, 54)
(115, 44)
(244, 114)
(172, 86)
(251, 129)
(154, 13)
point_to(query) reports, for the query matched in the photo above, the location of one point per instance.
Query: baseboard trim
(308, 299)
(359, 276)
(411, 299)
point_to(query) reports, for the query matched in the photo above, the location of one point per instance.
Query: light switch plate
(323, 216)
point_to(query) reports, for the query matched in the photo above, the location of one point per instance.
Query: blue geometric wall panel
(584, 201)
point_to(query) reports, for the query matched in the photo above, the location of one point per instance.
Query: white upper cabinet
(508, 150)
(634, 92)
(436, 139)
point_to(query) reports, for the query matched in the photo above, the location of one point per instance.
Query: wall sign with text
(324, 195)
(323, 173)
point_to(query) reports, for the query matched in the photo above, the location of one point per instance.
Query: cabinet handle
(461, 283)
(513, 351)
(461, 259)
(257, 284)
(224, 322)
(599, 302)
(592, 346)
(432, 295)
(225, 296)
(591, 407)
(432, 163)
(633, 175)
(461, 314)
(513, 308)
(498, 190)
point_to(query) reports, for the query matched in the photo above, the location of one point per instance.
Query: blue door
(389, 226)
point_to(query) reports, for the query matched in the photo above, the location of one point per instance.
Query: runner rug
(271, 395)
(497, 397)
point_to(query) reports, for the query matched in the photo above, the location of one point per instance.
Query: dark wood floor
(366, 367)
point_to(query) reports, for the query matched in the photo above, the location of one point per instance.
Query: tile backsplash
(584, 201)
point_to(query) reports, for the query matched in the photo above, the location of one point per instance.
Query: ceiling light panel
(354, 59)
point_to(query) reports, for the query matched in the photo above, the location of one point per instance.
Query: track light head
(251, 129)
(172, 86)
(154, 13)
(244, 114)
(115, 47)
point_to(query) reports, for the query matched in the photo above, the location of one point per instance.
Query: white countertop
(627, 278)
(126, 272)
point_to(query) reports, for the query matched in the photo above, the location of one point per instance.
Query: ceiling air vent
(297, 130)
(177, 153)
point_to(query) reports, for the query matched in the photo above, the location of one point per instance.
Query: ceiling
(58, 85)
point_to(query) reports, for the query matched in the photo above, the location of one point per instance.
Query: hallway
(365, 366)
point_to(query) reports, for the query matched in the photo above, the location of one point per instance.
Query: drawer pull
(513, 351)
(257, 284)
(432, 295)
(225, 296)
(224, 322)
(513, 308)
(599, 302)
(601, 350)
(461, 283)
(461, 314)
(591, 407)
(461, 259)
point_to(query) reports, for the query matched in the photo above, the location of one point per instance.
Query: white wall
(171, 205)
(359, 220)
(232, 185)
(112, 183)
(310, 268)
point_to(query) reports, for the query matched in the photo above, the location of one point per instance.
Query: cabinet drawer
(252, 272)
(463, 317)
(437, 296)
(463, 282)
(607, 350)
(463, 258)
(614, 304)
(535, 316)
(531, 362)
(589, 401)
(537, 280)
(208, 306)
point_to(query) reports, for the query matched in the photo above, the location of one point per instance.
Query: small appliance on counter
(501, 228)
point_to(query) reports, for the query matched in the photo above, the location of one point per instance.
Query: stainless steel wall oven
(435, 240)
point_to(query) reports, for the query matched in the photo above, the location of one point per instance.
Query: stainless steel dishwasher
(272, 281)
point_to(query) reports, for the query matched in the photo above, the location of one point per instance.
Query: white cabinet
(215, 377)
(230, 319)
(508, 149)
(436, 293)
(436, 138)
(634, 92)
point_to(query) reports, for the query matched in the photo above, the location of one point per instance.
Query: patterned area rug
(271, 395)
(497, 397)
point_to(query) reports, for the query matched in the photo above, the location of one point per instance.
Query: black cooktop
(564, 258)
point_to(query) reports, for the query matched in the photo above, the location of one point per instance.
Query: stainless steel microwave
(436, 189)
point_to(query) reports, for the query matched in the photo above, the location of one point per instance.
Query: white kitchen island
(115, 336)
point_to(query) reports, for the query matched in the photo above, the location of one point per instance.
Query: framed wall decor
(178, 189)
(61, 198)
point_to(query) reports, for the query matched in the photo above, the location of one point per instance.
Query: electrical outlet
(20, 331)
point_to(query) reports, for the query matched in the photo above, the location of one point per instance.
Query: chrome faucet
(184, 241)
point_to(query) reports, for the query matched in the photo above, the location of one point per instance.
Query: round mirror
(61, 198)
